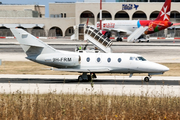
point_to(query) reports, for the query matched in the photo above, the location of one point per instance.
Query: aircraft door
(79, 59)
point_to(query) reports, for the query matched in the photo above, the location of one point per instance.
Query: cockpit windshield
(138, 58)
(141, 58)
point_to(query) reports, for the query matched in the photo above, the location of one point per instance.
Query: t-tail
(31, 45)
(164, 14)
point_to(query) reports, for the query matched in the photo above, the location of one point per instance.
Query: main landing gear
(108, 34)
(84, 76)
(146, 79)
(119, 39)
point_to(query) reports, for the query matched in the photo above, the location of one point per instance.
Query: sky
(41, 2)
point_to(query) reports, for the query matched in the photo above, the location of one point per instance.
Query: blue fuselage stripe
(138, 24)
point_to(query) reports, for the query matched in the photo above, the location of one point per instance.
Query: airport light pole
(100, 18)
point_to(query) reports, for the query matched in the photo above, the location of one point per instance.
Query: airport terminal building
(63, 16)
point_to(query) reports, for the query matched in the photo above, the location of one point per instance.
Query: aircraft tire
(89, 77)
(80, 78)
(108, 34)
(146, 79)
(119, 39)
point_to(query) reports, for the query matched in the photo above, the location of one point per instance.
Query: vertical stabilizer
(30, 44)
(164, 14)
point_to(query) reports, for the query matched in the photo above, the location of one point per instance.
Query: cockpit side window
(137, 58)
(131, 58)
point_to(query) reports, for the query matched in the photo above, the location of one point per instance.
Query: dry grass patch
(174, 69)
(21, 67)
(87, 107)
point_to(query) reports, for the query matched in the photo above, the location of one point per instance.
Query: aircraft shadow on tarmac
(96, 81)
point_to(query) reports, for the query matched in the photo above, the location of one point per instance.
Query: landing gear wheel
(80, 78)
(94, 75)
(89, 77)
(108, 34)
(119, 39)
(146, 79)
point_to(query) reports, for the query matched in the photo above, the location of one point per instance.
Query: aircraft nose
(163, 68)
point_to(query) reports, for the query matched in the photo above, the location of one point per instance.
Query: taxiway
(114, 85)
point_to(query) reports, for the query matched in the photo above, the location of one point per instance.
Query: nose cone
(163, 68)
(158, 68)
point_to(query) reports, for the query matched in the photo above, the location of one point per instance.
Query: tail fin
(164, 14)
(30, 44)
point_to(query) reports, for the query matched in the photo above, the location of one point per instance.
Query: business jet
(138, 27)
(87, 63)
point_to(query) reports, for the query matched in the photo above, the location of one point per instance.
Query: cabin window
(109, 60)
(87, 59)
(98, 59)
(119, 60)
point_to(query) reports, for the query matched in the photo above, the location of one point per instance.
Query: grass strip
(61, 106)
(23, 67)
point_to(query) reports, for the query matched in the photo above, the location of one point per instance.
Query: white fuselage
(111, 62)
(127, 26)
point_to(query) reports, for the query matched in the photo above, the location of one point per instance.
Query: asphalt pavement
(113, 85)
(157, 51)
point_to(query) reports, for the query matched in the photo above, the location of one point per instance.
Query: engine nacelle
(65, 60)
(104, 32)
(107, 33)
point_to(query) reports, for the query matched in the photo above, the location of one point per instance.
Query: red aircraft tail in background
(164, 14)
(161, 22)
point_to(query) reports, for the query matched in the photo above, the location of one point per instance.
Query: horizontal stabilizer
(137, 33)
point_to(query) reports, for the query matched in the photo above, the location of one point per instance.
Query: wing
(85, 70)
(119, 30)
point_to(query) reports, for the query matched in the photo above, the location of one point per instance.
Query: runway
(114, 85)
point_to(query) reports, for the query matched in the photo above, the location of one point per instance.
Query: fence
(174, 33)
(35, 32)
(54, 33)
